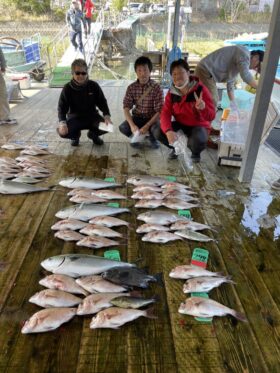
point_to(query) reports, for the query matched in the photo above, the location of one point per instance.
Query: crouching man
(77, 107)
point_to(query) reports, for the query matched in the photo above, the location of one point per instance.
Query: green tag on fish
(170, 178)
(185, 213)
(113, 204)
(112, 254)
(200, 258)
(110, 179)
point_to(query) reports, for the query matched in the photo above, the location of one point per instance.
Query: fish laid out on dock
(99, 230)
(72, 224)
(33, 174)
(129, 301)
(62, 282)
(186, 271)
(26, 180)
(8, 161)
(107, 194)
(88, 211)
(48, 319)
(147, 188)
(68, 235)
(160, 217)
(30, 158)
(78, 182)
(114, 317)
(130, 277)
(86, 198)
(193, 235)
(203, 307)
(178, 204)
(96, 302)
(13, 187)
(34, 150)
(108, 221)
(160, 237)
(147, 195)
(204, 284)
(192, 225)
(13, 146)
(97, 284)
(147, 180)
(77, 265)
(146, 228)
(39, 169)
(171, 192)
(76, 191)
(148, 203)
(54, 298)
(96, 242)
(174, 185)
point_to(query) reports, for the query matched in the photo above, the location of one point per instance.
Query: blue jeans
(139, 122)
(73, 35)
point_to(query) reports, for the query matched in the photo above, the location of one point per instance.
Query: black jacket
(81, 101)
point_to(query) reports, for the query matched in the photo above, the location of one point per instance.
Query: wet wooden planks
(173, 342)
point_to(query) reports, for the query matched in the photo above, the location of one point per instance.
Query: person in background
(74, 20)
(190, 103)
(4, 104)
(224, 64)
(89, 6)
(77, 106)
(145, 98)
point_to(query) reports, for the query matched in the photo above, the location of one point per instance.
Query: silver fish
(76, 265)
(192, 225)
(96, 242)
(204, 284)
(30, 163)
(160, 237)
(107, 194)
(127, 301)
(147, 195)
(146, 179)
(108, 221)
(193, 235)
(54, 298)
(175, 185)
(7, 160)
(159, 217)
(97, 302)
(6, 176)
(171, 192)
(68, 235)
(185, 272)
(30, 158)
(86, 198)
(99, 230)
(203, 307)
(76, 191)
(34, 169)
(13, 187)
(62, 282)
(97, 284)
(48, 319)
(71, 224)
(77, 182)
(114, 317)
(87, 212)
(177, 204)
(26, 180)
(30, 151)
(35, 175)
(148, 203)
(13, 146)
(146, 228)
(181, 196)
(146, 188)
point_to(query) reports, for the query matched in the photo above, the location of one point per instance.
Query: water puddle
(257, 214)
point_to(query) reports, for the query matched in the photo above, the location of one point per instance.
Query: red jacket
(89, 6)
(182, 108)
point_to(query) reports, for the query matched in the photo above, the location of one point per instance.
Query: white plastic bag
(137, 137)
(106, 127)
(182, 150)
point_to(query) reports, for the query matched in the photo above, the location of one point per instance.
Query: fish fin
(159, 279)
(239, 316)
(150, 313)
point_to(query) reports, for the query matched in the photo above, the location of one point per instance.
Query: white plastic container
(23, 79)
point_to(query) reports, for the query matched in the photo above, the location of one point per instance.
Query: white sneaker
(8, 121)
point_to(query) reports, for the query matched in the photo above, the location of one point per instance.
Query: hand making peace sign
(199, 103)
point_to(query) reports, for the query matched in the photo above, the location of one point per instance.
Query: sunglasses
(80, 73)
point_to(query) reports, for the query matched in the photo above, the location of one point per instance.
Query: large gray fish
(114, 317)
(48, 319)
(76, 265)
(193, 235)
(13, 187)
(96, 302)
(130, 277)
(62, 282)
(186, 271)
(78, 182)
(86, 212)
(160, 237)
(146, 179)
(97, 284)
(54, 298)
(204, 284)
(160, 217)
(203, 307)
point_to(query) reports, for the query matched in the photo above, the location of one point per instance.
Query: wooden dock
(247, 247)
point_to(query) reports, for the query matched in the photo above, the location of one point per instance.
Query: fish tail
(150, 313)
(229, 280)
(239, 316)
(159, 279)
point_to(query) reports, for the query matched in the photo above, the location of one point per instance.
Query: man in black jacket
(77, 106)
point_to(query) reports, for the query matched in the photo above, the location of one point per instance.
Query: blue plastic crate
(32, 52)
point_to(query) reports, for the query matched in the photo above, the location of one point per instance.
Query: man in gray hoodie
(224, 64)
(74, 19)
(4, 104)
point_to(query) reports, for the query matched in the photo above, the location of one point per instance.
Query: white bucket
(23, 79)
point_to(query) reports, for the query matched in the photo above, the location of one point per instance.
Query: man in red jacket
(191, 105)
(88, 9)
